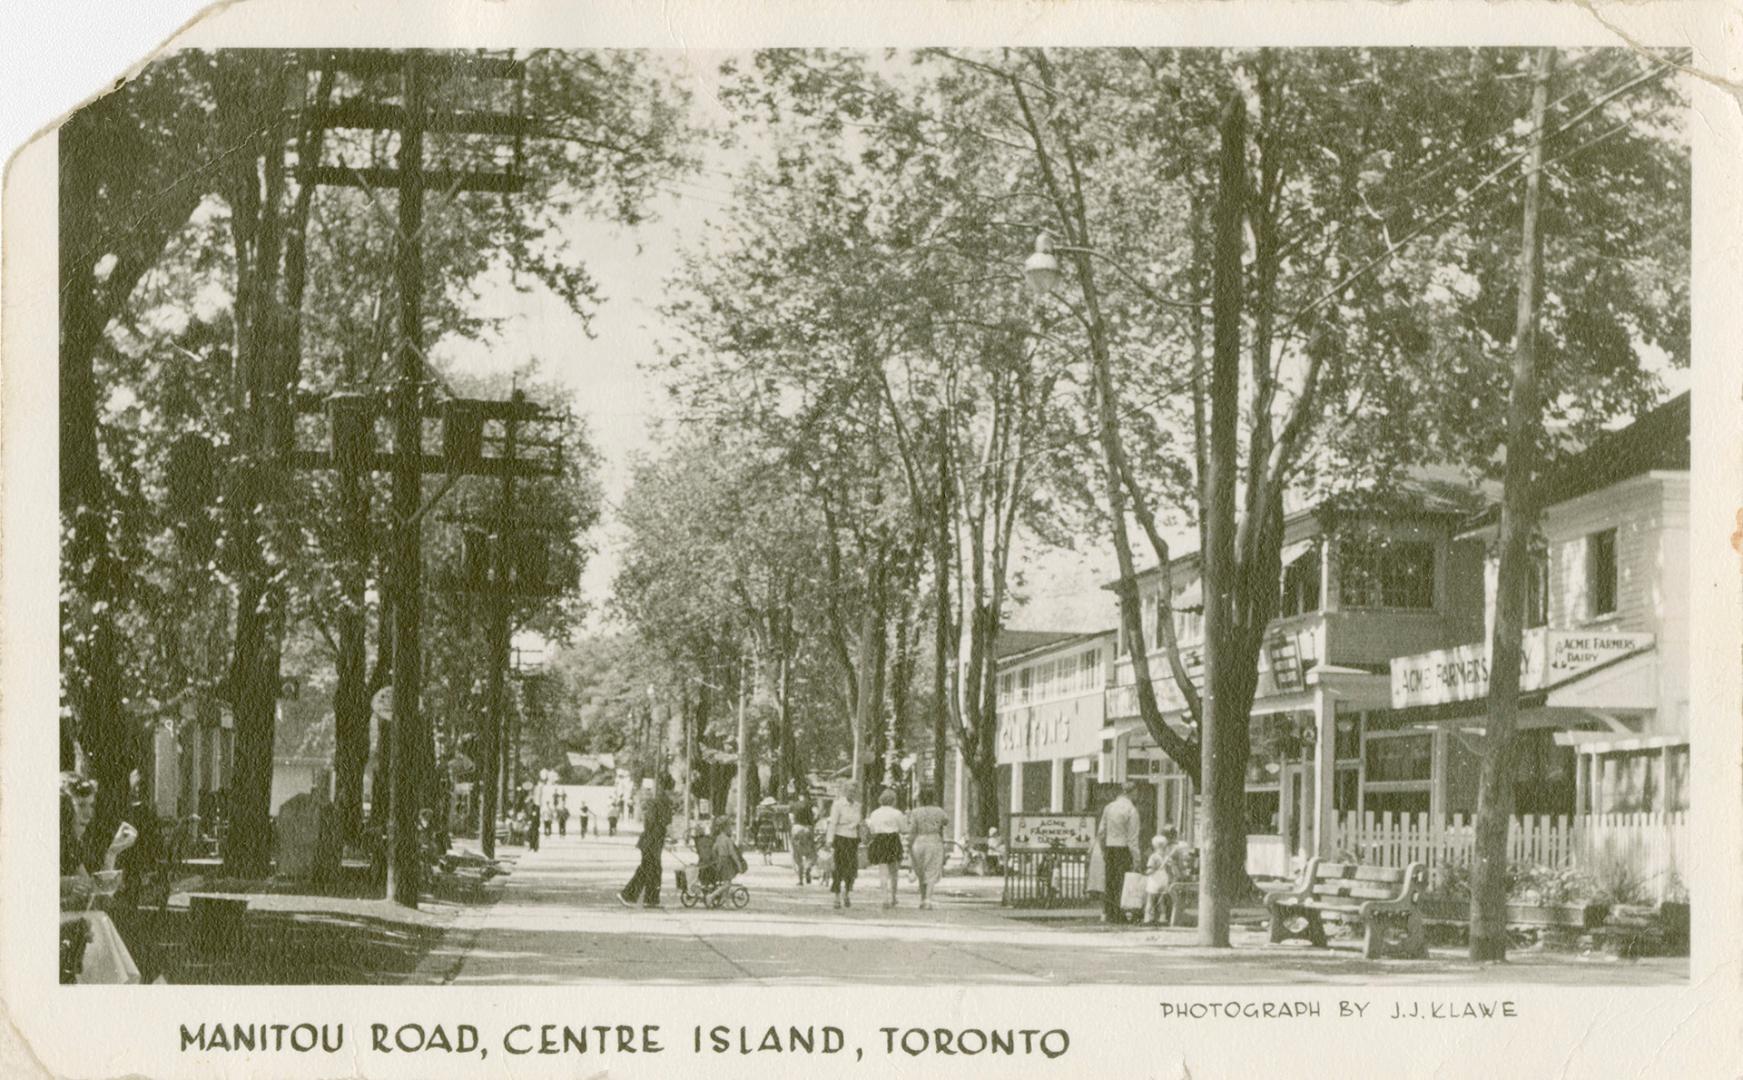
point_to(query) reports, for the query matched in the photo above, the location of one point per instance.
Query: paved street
(558, 923)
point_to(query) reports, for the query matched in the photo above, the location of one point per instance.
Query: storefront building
(1373, 679)
(1051, 714)
(1604, 690)
(1358, 587)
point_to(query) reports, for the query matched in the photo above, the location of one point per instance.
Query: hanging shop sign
(1550, 657)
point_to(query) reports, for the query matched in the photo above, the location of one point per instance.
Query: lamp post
(1041, 268)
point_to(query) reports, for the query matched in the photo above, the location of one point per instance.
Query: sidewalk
(558, 922)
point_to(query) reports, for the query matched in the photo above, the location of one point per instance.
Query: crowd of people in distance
(530, 820)
(829, 846)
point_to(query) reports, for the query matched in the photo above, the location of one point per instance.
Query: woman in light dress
(927, 826)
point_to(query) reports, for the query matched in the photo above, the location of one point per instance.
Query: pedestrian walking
(927, 826)
(766, 830)
(533, 825)
(885, 826)
(613, 813)
(550, 816)
(804, 840)
(843, 833)
(585, 815)
(1118, 833)
(562, 819)
(656, 819)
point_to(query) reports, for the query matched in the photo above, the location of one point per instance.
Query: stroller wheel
(688, 898)
(740, 896)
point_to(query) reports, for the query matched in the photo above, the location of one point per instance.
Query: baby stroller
(695, 886)
(713, 881)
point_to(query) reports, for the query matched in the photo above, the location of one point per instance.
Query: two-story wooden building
(1373, 680)
(1052, 708)
(1604, 689)
(1361, 583)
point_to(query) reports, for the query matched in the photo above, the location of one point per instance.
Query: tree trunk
(869, 669)
(1223, 731)
(1518, 521)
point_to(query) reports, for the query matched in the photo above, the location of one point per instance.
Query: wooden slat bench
(1381, 898)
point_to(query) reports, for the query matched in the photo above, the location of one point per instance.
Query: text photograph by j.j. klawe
(917, 548)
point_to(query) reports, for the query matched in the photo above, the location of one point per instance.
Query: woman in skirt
(886, 825)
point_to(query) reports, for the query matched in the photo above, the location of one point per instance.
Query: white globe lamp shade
(1041, 269)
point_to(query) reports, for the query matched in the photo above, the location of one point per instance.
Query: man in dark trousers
(1118, 833)
(656, 819)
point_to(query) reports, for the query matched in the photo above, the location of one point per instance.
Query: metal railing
(1046, 879)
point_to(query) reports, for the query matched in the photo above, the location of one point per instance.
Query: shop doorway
(1297, 806)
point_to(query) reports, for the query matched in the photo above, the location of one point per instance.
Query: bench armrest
(1302, 892)
(1408, 891)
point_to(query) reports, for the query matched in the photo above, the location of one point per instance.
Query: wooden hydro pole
(504, 559)
(353, 411)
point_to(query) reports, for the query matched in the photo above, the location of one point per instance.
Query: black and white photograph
(1129, 516)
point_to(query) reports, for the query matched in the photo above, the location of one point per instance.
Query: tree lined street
(959, 313)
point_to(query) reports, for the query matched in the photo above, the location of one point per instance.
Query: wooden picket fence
(1653, 847)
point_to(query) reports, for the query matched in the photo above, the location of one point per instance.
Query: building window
(1601, 573)
(1543, 775)
(1347, 736)
(1399, 758)
(1006, 682)
(1301, 585)
(1188, 626)
(1537, 591)
(1396, 574)
(1346, 789)
(1088, 671)
(1676, 778)
(1025, 687)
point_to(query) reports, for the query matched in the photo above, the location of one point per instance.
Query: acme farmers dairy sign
(1462, 674)
(1041, 832)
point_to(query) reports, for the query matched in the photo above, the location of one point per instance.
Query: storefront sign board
(1046, 832)
(1550, 657)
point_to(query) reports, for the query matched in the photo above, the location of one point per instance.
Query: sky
(604, 379)
(603, 375)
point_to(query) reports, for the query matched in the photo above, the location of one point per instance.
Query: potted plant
(1536, 896)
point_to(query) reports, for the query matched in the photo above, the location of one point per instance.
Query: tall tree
(198, 161)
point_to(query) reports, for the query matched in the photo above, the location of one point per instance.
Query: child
(1162, 870)
(724, 861)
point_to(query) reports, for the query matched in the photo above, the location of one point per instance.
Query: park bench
(1181, 896)
(1381, 898)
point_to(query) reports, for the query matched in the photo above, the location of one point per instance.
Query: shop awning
(1294, 551)
(1606, 742)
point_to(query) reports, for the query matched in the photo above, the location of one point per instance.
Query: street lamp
(1041, 269)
